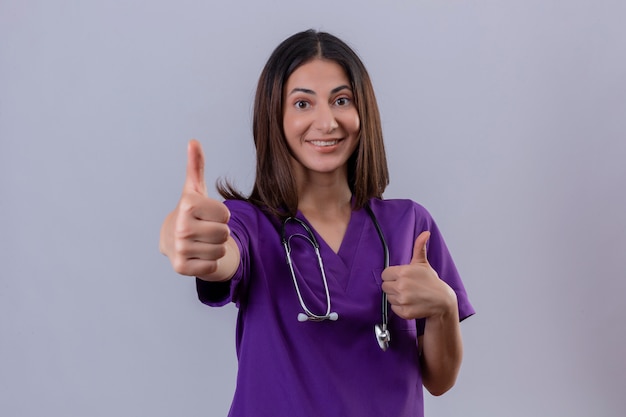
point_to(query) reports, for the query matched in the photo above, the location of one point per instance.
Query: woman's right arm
(195, 235)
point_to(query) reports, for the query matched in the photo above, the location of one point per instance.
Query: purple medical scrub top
(329, 368)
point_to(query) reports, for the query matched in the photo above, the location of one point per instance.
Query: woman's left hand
(415, 290)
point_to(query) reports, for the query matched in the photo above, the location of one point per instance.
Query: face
(320, 119)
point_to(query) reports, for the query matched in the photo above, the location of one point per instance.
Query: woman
(342, 334)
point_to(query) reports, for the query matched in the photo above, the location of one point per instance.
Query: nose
(325, 119)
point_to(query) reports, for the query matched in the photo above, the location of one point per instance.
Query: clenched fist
(195, 236)
(415, 290)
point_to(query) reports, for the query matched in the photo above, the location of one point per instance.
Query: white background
(506, 119)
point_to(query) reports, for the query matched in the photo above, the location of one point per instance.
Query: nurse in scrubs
(308, 336)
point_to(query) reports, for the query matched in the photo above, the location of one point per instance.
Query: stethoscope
(381, 330)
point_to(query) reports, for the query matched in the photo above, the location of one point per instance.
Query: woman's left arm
(441, 350)
(416, 291)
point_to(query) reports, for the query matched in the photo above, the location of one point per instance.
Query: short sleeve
(441, 260)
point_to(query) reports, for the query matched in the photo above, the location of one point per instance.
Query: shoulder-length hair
(274, 187)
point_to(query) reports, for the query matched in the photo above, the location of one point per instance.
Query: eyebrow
(307, 91)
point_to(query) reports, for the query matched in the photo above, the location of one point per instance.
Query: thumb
(194, 180)
(419, 249)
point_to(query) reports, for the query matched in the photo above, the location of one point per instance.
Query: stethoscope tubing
(311, 239)
(382, 331)
(385, 304)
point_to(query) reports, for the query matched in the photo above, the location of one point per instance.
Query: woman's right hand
(195, 236)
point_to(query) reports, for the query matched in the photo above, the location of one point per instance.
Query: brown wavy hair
(274, 186)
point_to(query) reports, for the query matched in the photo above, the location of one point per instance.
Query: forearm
(441, 351)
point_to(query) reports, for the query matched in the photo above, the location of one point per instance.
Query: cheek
(354, 123)
(293, 126)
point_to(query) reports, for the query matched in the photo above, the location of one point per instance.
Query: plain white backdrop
(506, 119)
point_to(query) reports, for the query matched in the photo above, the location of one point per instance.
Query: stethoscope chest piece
(382, 336)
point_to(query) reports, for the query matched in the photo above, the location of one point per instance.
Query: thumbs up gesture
(195, 236)
(415, 290)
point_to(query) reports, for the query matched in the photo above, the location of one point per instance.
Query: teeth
(324, 142)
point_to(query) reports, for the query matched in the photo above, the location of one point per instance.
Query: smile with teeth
(323, 143)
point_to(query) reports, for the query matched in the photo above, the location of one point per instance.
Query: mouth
(324, 143)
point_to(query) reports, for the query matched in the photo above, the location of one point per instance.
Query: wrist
(448, 307)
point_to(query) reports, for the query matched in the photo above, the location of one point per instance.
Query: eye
(342, 101)
(302, 104)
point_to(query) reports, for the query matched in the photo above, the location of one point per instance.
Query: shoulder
(241, 207)
(400, 209)
(245, 215)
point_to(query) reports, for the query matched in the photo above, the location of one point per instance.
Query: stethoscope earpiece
(303, 317)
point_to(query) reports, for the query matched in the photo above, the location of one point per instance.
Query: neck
(328, 210)
(323, 192)
(324, 197)
(325, 204)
